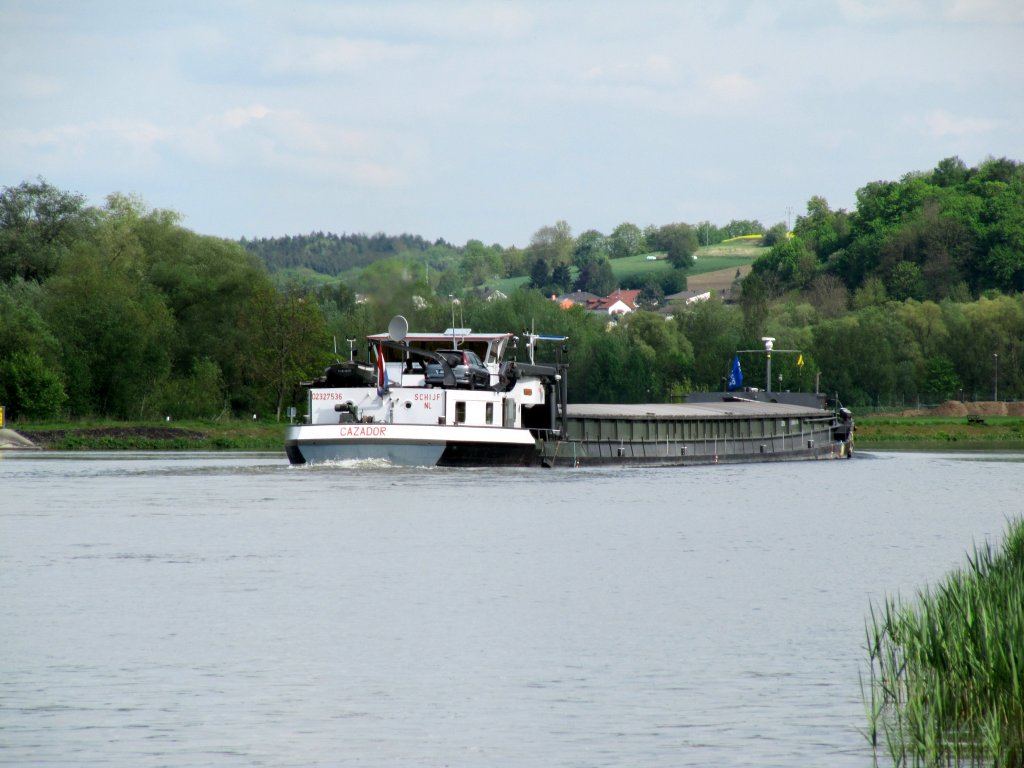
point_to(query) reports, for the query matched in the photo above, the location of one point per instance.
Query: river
(161, 609)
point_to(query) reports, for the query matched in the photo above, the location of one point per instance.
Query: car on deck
(469, 370)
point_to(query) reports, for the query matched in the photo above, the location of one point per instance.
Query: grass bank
(940, 432)
(873, 432)
(947, 672)
(220, 435)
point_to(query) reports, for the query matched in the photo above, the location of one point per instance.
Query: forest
(117, 311)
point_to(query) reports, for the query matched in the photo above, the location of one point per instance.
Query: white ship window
(460, 412)
(489, 413)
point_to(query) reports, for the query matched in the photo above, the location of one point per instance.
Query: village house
(619, 302)
(567, 300)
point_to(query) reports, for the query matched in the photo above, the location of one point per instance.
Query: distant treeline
(331, 254)
(555, 261)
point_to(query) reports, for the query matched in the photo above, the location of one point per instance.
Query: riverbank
(220, 435)
(951, 426)
(942, 428)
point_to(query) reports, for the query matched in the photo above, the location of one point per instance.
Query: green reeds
(947, 672)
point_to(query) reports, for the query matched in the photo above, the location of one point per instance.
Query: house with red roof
(619, 302)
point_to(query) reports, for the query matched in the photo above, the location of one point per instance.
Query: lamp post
(769, 342)
(995, 378)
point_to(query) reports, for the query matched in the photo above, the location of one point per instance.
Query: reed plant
(947, 670)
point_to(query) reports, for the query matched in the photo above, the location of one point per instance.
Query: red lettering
(364, 430)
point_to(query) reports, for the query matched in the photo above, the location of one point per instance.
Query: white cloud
(36, 87)
(324, 56)
(731, 88)
(874, 11)
(452, 22)
(242, 116)
(987, 11)
(77, 139)
(942, 124)
(258, 139)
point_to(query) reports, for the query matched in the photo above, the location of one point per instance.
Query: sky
(472, 119)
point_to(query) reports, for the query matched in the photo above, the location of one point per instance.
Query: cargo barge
(460, 398)
(730, 429)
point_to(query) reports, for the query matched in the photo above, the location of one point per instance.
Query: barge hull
(568, 454)
(722, 432)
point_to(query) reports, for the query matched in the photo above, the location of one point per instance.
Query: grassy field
(220, 435)
(939, 432)
(714, 269)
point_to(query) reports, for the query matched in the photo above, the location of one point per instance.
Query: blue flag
(735, 375)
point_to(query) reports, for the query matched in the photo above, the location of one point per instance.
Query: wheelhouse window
(460, 412)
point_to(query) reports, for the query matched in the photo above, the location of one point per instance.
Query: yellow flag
(800, 362)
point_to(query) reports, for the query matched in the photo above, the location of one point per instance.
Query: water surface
(231, 610)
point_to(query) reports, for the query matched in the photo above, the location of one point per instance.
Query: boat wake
(354, 464)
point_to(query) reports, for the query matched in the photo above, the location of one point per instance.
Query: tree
(38, 225)
(479, 263)
(198, 395)
(663, 350)
(608, 373)
(715, 332)
(822, 230)
(553, 243)
(950, 172)
(450, 283)
(754, 297)
(905, 282)
(1006, 265)
(789, 261)
(828, 295)
(738, 228)
(871, 294)
(22, 327)
(561, 276)
(29, 388)
(651, 293)
(868, 357)
(981, 329)
(596, 277)
(775, 234)
(678, 241)
(540, 275)
(290, 340)
(940, 378)
(590, 246)
(208, 284)
(116, 336)
(625, 240)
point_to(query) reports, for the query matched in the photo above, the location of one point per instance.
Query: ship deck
(742, 409)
